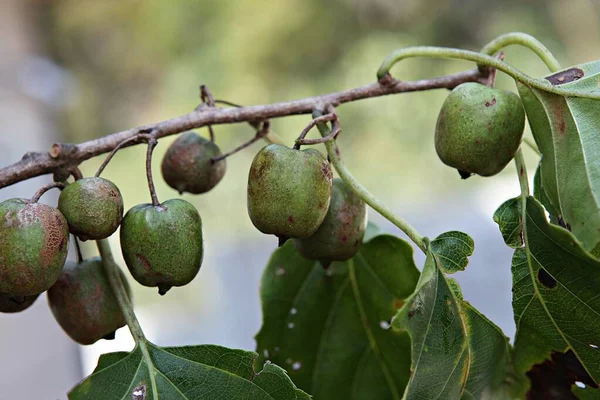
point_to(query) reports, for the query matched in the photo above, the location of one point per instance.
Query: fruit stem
(522, 172)
(270, 137)
(481, 59)
(152, 142)
(114, 279)
(532, 145)
(137, 138)
(323, 118)
(363, 193)
(44, 189)
(78, 248)
(525, 40)
(260, 133)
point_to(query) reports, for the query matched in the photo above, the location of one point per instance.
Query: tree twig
(323, 118)
(36, 164)
(259, 135)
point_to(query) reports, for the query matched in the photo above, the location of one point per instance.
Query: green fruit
(93, 208)
(34, 239)
(12, 304)
(288, 191)
(83, 302)
(479, 129)
(341, 233)
(187, 164)
(162, 245)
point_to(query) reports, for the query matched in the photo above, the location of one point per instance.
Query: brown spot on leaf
(398, 303)
(291, 219)
(490, 103)
(569, 75)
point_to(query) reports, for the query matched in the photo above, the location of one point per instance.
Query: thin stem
(524, 183)
(211, 133)
(315, 121)
(334, 156)
(491, 81)
(335, 130)
(44, 189)
(139, 137)
(522, 172)
(227, 103)
(208, 99)
(259, 135)
(270, 137)
(532, 145)
(111, 269)
(525, 40)
(152, 142)
(481, 59)
(78, 248)
(76, 173)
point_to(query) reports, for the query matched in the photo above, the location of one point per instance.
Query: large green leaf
(330, 328)
(555, 295)
(456, 351)
(179, 373)
(566, 132)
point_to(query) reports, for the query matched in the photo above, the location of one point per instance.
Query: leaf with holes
(330, 328)
(555, 298)
(181, 373)
(566, 132)
(453, 250)
(456, 351)
(507, 216)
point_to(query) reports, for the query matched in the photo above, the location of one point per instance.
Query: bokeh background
(74, 70)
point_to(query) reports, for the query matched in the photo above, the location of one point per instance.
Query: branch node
(62, 150)
(387, 80)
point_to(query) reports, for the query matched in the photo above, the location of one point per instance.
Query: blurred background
(73, 70)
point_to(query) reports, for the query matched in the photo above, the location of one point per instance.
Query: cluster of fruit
(291, 194)
(161, 244)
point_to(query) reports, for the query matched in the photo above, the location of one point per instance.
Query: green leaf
(452, 250)
(555, 296)
(456, 351)
(330, 328)
(540, 194)
(191, 372)
(508, 218)
(566, 132)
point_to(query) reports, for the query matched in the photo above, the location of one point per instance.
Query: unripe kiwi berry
(479, 129)
(162, 245)
(288, 191)
(12, 304)
(188, 167)
(93, 208)
(34, 240)
(341, 233)
(83, 302)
